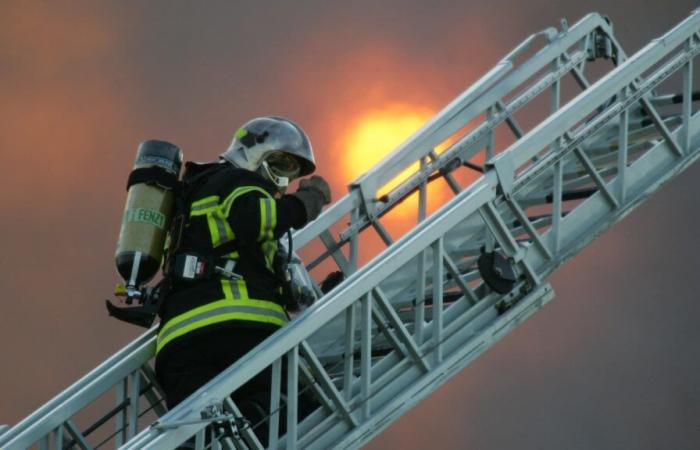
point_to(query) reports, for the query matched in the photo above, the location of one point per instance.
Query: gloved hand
(317, 183)
(313, 193)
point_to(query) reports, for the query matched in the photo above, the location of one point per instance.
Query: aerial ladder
(564, 137)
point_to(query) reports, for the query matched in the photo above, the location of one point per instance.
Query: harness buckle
(194, 267)
(227, 270)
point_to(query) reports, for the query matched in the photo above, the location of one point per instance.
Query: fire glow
(375, 135)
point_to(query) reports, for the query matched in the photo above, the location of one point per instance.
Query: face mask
(280, 168)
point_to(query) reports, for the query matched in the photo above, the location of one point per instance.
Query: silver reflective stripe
(221, 228)
(202, 206)
(220, 311)
(235, 292)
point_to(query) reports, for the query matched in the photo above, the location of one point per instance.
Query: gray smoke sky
(611, 363)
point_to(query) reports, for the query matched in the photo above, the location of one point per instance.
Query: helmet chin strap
(280, 182)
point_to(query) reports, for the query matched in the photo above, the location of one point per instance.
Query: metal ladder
(555, 167)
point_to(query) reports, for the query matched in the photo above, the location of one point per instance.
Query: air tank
(148, 211)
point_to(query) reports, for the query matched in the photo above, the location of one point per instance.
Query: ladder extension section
(402, 324)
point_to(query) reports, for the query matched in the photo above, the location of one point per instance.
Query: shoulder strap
(189, 185)
(183, 191)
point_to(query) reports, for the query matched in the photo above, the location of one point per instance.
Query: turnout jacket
(236, 208)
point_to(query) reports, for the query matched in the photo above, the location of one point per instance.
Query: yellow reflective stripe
(237, 290)
(235, 306)
(217, 312)
(244, 300)
(263, 220)
(204, 205)
(269, 249)
(273, 217)
(268, 209)
(219, 229)
(213, 230)
(228, 201)
(268, 218)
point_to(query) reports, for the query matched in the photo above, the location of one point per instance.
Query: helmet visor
(283, 165)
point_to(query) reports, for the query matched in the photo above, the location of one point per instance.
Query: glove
(319, 184)
(313, 193)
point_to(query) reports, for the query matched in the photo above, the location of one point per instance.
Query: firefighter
(234, 212)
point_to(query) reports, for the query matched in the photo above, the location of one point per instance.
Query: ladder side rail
(461, 111)
(466, 348)
(412, 393)
(485, 104)
(95, 383)
(642, 178)
(627, 87)
(428, 137)
(586, 102)
(540, 191)
(466, 147)
(463, 149)
(592, 217)
(332, 215)
(350, 292)
(463, 326)
(582, 225)
(365, 210)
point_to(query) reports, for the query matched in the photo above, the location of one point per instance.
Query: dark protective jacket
(236, 209)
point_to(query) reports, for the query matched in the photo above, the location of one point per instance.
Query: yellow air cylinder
(149, 209)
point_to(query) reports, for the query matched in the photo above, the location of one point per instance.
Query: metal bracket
(564, 25)
(211, 414)
(602, 46)
(366, 202)
(369, 208)
(504, 169)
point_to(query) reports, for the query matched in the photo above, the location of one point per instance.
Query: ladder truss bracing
(413, 315)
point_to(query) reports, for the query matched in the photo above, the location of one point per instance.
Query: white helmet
(276, 147)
